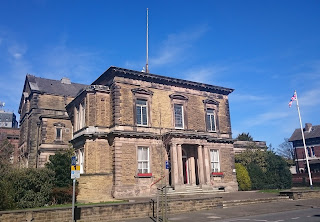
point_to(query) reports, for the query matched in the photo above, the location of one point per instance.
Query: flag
(293, 98)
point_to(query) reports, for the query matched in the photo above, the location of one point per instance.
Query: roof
(127, 73)
(54, 87)
(314, 133)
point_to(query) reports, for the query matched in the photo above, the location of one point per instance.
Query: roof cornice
(127, 73)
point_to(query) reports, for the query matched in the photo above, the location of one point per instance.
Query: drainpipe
(38, 128)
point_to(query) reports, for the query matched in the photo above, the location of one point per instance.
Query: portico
(190, 165)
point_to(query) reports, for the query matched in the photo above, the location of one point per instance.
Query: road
(283, 211)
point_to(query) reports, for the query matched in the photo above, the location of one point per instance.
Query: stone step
(192, 190)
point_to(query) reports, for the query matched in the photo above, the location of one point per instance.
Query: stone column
(174, 165)
(200, 165)
(193, 171)
(180, 166)
(206, 164)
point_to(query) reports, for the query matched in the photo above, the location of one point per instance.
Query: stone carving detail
(142, 91)
(59, 124)
(178, 96)
(211, 101)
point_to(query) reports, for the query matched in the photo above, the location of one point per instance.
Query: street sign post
(75, 173)
(73, 160)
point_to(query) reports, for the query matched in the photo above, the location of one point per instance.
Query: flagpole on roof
(147, 65)
(303, 139)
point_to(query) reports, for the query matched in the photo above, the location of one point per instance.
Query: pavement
(229, 200)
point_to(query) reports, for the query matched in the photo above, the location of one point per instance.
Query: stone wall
(110, 212)
(128, 182)
(95, 188)
(48, 131)
(97, 182)
(98, 157)
(161, 104)
(228, 179)
(53, 102)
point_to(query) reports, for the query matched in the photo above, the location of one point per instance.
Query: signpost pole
(73, 198)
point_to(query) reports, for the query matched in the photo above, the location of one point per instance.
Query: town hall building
(134, 130)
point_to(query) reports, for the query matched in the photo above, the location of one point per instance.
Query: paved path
(253, 212)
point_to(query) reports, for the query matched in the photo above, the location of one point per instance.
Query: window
(178, 116)
(141, 112)
(80, 116)
(58, 133)
(312, 151)
(143, 160)
(309, 151)
(214, 157)
(80, 159)
(211, 109)
(210, 120)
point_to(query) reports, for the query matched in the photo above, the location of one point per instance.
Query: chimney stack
(65, 80)
(308, 127)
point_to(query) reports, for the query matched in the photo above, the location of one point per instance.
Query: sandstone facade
(45, 126)
(128, 124)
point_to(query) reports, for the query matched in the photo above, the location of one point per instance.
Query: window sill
(217, 174)
(144, 175)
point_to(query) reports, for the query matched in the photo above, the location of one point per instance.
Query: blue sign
(167, 165)
(73, 161)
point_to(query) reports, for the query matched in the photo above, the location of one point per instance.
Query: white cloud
(235, 97)
(310, 98)
(59, 61)
(204, 74)
(174, 48)
(53, 61)
(266, 118)
(17, 50)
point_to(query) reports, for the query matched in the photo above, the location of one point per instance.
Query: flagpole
(304, 141)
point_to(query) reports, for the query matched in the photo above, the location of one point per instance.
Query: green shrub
(60, 163)
(257, 176)
(278, 173)
(32, 187)
(6, 196)
(243, 178)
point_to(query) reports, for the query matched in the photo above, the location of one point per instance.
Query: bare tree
(286, 150)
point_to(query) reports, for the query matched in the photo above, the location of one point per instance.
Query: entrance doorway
(190, 164)
(186, 179)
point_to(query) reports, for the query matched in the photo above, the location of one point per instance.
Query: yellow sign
(75, 172)
(75, 167)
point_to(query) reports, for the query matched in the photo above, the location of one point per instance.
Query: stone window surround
(60, 126)
(58, 138)
(212, 104)
(180, 99)
(141, 107)
(80, 107)
(142, 94)
(212, 161)
(149, 174)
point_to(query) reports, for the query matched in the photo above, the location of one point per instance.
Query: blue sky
(263, 49)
